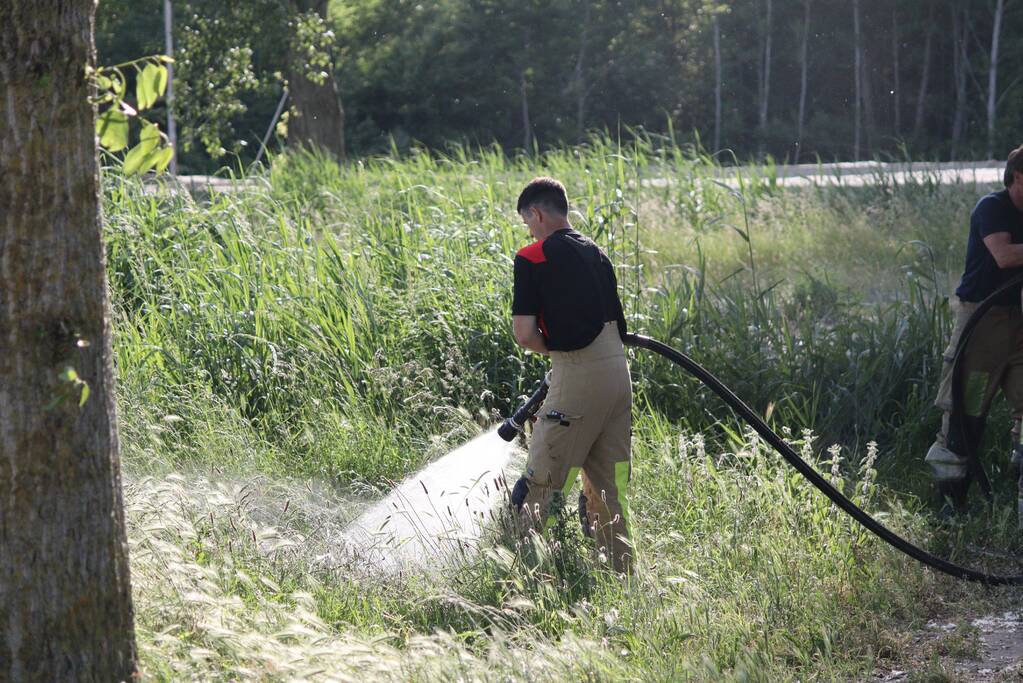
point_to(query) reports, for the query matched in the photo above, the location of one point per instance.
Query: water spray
(513, 425)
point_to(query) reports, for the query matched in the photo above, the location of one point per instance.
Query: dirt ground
(984, 647)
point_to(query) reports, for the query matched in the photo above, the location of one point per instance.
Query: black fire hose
(974, 465)
(771, 437)
(786, 451)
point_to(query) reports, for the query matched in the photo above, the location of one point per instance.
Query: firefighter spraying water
(566, 306)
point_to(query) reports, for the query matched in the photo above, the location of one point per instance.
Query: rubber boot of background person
(993, 360)
(584, 426)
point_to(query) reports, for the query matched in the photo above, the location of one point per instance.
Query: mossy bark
(65, 594)
(317, 117)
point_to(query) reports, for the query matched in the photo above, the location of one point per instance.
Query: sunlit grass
(335, 328)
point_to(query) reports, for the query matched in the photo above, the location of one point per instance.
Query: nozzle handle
(514, 425)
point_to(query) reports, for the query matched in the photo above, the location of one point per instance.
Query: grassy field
(287, 350)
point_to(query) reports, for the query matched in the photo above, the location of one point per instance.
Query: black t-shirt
(569, 284)
(994, 213)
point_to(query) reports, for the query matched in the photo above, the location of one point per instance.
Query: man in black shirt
(566, 305)
(994, 357)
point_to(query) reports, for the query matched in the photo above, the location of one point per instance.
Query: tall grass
(342, 325)
(356, 314)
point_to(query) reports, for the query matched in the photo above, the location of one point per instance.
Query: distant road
(843, 174)
(860, 173)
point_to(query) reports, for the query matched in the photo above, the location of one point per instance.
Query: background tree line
(796, 79)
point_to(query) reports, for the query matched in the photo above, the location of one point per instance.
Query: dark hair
(1015, 163)
(546, 192)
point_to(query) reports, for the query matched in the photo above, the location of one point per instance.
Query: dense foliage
(532, 73)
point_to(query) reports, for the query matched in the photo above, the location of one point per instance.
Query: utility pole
(168, 41)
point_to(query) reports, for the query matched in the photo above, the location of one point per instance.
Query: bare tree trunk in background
(896, 86)
(579, 79)
(65, 592)
(868, 105)
(960, 68)
(992, 79)
(527, 127)
(168, 49)
(921, 97)
(764, 81)
(317, 118)
(802, 78)
(717, 83)
(857, 77)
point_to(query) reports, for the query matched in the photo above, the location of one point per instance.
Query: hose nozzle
(514, 425)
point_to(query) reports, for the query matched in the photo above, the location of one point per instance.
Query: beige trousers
(993, 361)
(585, 425)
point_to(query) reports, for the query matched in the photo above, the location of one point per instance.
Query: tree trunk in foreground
(65, 592)
(317, 117)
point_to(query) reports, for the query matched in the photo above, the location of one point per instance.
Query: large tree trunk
(857, 78)
(717, 83)
(802, 78)
(65, 592)
(921, 97)
(317, 117)
(992, 79)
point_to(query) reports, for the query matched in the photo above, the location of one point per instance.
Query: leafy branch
(113, 125)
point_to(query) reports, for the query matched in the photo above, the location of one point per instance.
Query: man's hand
(1005, 253)
(527, 334)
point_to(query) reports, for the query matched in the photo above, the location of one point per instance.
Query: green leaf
(147, 153)
(85, 394)
(134, 158)
(162, 158)
(150, 136)
(112, 128)
(118, 83)
(160, 78)
(145, 93)
(140, 159)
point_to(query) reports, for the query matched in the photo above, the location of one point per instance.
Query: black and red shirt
(569, 284)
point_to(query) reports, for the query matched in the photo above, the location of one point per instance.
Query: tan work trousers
(993, 360)
(585, 425)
